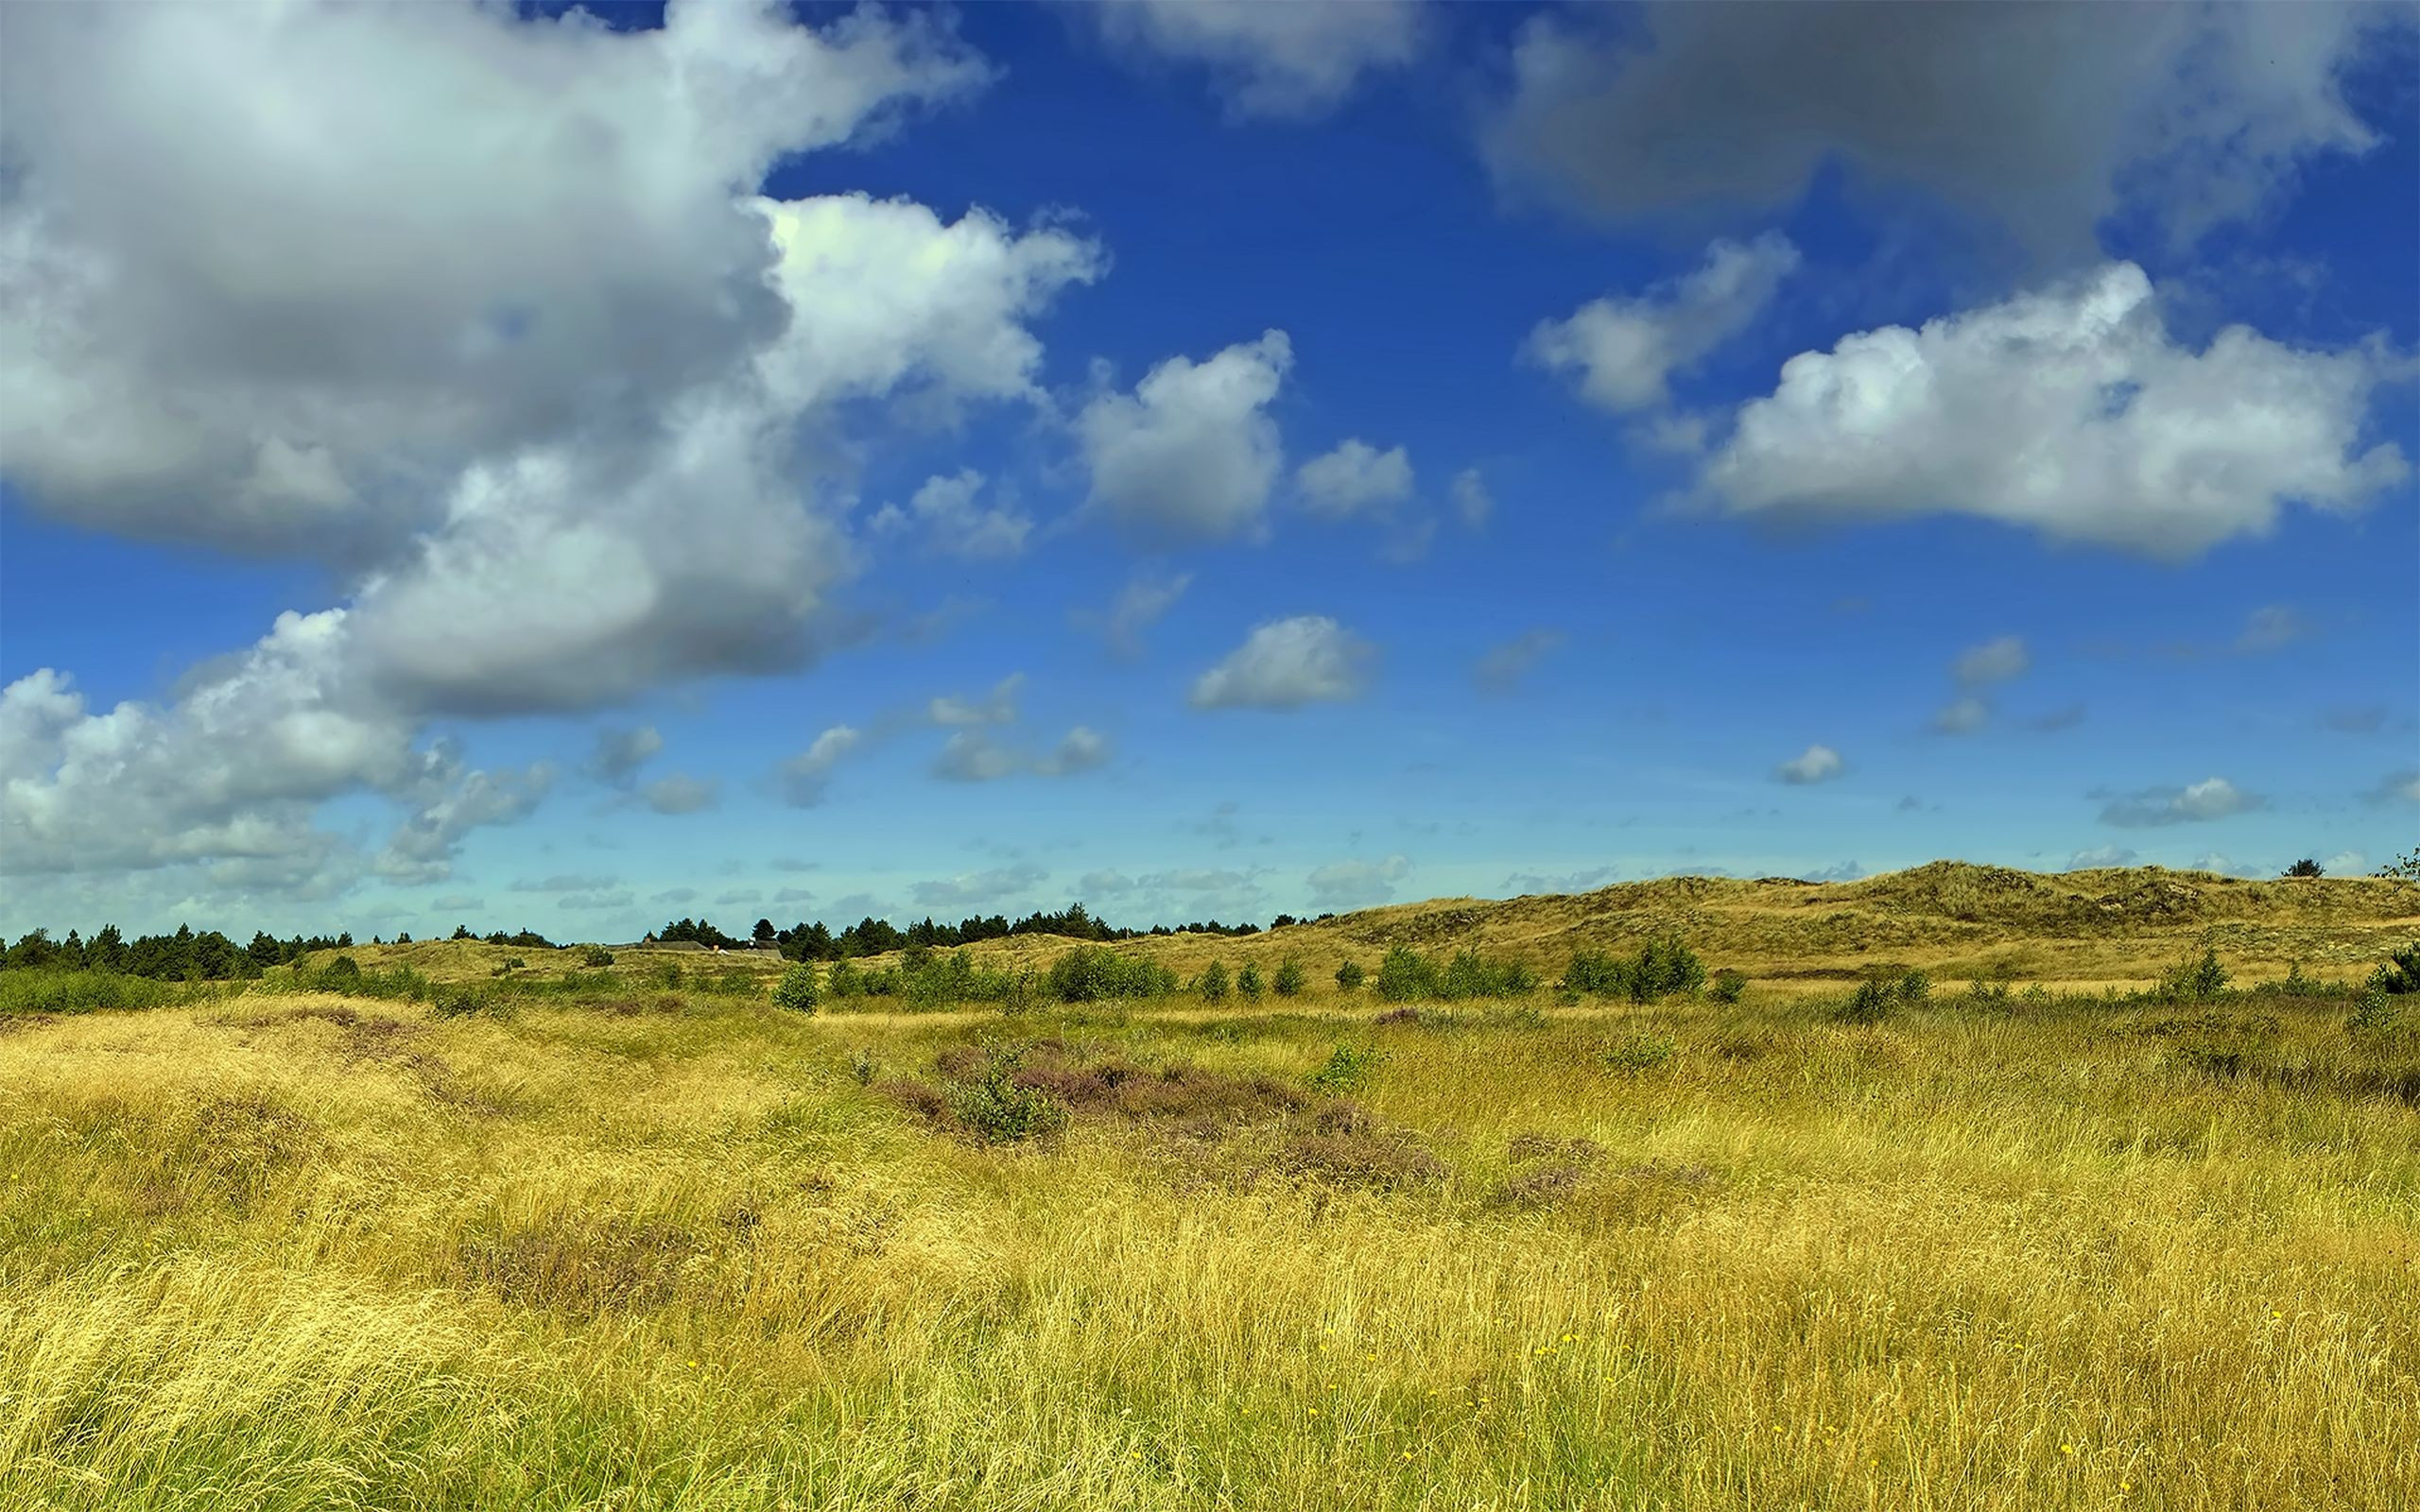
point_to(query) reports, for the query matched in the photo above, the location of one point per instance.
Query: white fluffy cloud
(2071, 412)
(2044, 118)
(1355, 478)
(679, 793)
(998, 707)
(803, 778)
(946, 512)
(1192, 452)
(1472, 502)
(1288, 663)
(980, 756)
(888, 298)
(1816, 764)
(1294, 59)
(547, 422)
(1343, 885)
(1622, 351)
(2213, 798)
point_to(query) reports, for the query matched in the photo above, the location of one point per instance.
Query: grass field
(650, 1250)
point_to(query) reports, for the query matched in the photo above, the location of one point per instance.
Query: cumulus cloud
(1192, 452)
(944, 512)
(2042, 118)
(803, 778)
(2071, 412)
(1286, 664)
(2213, 798)
(1294, 59)
(1506, 663)
(1472, 502)
(1816, 764)
(677, 793)
(977, 756)
(1621, 353)
(1347, 885)
(618, 754)
(546, 426)
(1139, 606)
(998, 707)
(1356, 478)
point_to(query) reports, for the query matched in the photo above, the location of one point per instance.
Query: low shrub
(998, 1109)
(1405, 976)
(1638, 1052)
(2195, 979)
(2376, 1015)
(1247, 982)
(1096, 973)
(597, 955)
(1662, 968)
(2399, 974)
(1727, 985)
(1212, 982)
(1288, 981)
(1347, 1067)
(42, 990)
(796, 990)
(1349, 976)
(1873, 1003)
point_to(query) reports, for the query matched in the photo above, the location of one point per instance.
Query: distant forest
(211, 956)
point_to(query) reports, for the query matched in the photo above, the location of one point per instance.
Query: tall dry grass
(290, 1253)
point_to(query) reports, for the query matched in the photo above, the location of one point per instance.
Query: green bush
(844, 980)
(2399, 974)
(1247, 982)
(2194, 979)
(1212, 982)
(597, 955)
(1640, 1052)
(1728, 985)
(1873, 1003)
(1347, 1067)
(1404, 974)
(339, 973)
(796, 990)
(1096, 973)
(998, 1110)
(1662, 968)
(2377, 1015)
(1289, 980)
(48, 990)
(1349, 976)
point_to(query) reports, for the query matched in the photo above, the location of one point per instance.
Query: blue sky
(1207, 460)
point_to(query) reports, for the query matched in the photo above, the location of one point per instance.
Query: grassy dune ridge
(659, 1250)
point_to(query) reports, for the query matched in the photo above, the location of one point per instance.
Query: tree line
(879, 937)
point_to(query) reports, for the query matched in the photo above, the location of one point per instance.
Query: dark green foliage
(1347, 1067)
(1727, 985)
(54, 990)
(2305, 867)
(1212, 982)
(1405, 976)
(1096, 973)
(2399, 974)
(998, 1109)
(1289, 982)
(1247, 982)
(1349, 976)
(339, 974)
(2406, 866)
(1638, 1052)
(2194, 979)
(1662, 968)
(1873, 1003)
(796, 990)
(597, 955)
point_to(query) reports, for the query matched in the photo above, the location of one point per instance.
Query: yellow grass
(301, 1252)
